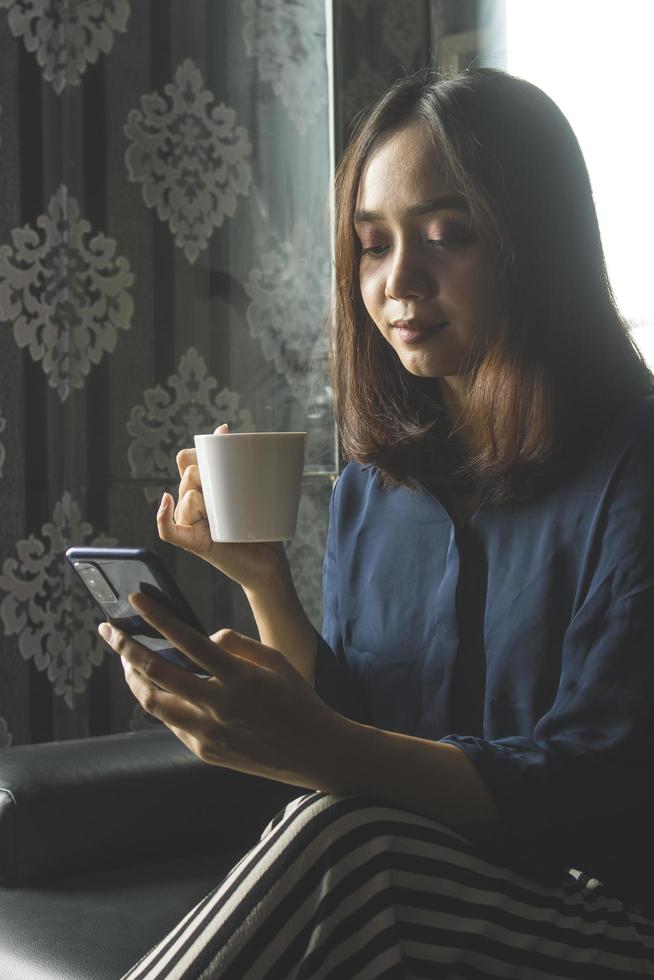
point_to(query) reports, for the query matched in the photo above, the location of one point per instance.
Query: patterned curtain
(164, 267)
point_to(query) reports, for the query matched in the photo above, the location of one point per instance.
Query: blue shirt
(549, 665)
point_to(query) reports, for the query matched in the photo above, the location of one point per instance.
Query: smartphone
(111, 574)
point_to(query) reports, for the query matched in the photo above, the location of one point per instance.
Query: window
(594, 59)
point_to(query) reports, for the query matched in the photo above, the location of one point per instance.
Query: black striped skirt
(342, 888)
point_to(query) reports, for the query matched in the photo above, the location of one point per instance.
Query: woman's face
(426, 280)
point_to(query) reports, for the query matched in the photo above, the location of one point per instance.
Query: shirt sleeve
(589, 760)
(336, 684)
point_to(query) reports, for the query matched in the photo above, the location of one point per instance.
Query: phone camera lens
(96, 583)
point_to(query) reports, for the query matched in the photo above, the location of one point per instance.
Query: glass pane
(592, 58)
(164, 267)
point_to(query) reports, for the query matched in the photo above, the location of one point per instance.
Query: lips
(416, 330)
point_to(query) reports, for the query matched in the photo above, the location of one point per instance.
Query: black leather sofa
(105, 843)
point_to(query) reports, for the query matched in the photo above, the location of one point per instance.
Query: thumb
(222, 429)
(247, 648)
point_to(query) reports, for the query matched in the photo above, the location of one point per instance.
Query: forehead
(402, 169)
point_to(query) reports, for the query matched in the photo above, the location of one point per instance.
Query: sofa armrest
(88, 804)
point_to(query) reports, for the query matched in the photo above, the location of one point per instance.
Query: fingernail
(104, 629)
(164, 503)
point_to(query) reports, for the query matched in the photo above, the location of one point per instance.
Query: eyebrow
(450, 202)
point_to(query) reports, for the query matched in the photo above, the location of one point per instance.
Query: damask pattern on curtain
(164, 267)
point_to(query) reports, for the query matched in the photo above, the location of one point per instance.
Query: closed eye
(374, 250)
(453, 242)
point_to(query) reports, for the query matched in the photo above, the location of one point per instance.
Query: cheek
(371, 289)
(480, 282)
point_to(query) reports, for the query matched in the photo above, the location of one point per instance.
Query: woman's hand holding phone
(254, 566)
(255, 713)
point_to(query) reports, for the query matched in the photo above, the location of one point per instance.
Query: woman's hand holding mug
(255, 566)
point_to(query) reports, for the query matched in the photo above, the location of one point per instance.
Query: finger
(181, 535)
(199, 648)
(153, 668)
(190, 480)
(248, 649)
(191, 508)
(184, 458)
(188, 457)
(178, 714)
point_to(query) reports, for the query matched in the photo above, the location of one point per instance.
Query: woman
(476, 720)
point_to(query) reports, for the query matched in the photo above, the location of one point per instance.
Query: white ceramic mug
(251, 483)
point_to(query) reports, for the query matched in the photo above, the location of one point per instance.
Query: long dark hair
(564, 360)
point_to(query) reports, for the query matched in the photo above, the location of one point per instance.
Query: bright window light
(593, 58)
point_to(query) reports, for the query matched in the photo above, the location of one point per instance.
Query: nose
(408, 276)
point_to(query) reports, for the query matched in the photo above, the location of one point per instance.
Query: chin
(421, 370)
